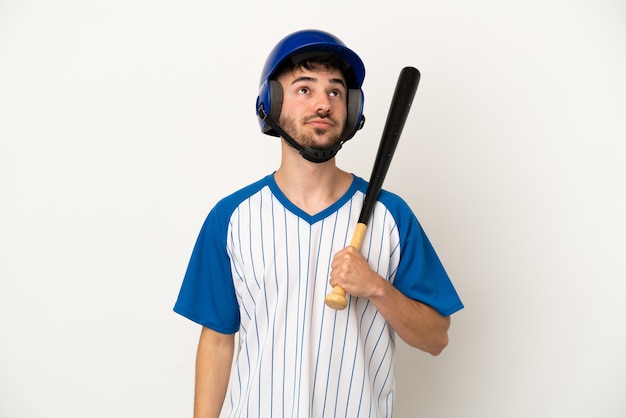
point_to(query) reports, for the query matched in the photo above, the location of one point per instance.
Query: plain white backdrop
(123, 122)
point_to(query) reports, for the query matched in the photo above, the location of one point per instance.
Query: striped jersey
(260, 268)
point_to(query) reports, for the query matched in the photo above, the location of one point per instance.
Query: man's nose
(322, 103)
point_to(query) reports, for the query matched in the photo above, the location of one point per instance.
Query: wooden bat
(398, 112)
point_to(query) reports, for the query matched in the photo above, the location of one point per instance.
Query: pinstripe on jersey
(297, 358)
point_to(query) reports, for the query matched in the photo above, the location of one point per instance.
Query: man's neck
(311, 186)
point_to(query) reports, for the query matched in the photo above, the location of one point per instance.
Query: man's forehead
(320, 73)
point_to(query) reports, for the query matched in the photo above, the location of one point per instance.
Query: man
(269, 253)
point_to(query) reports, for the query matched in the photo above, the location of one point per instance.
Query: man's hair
(326, 60)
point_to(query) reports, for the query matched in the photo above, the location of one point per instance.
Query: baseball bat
(401, 101)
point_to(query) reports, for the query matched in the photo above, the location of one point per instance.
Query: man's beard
(308, 139)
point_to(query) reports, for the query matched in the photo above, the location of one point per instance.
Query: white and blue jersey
(260, 267)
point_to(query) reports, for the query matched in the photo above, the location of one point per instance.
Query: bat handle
(337, 298)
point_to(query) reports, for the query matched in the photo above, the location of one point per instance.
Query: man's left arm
(416, 323)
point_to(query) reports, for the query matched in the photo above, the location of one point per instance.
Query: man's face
(314, 106)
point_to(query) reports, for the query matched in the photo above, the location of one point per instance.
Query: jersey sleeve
(420, 274)
(207, 294)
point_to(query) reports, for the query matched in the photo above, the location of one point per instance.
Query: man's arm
(417, 324)
(213, 364)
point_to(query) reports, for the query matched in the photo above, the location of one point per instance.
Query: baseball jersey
(260, 268)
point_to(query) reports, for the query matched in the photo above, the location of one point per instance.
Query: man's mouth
(320, 121)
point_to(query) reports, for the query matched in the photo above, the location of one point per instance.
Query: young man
(268, 254)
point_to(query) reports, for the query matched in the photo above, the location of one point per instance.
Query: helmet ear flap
(271, 99)
(355, 118)
(276, 99)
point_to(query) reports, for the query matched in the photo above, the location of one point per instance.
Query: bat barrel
(401, 102)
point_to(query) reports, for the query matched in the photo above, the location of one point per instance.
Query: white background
(123, 122)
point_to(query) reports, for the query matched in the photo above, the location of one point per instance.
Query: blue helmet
(297, 47)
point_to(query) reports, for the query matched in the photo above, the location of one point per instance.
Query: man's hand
(351, 271)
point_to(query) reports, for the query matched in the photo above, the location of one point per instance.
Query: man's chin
(318, 139)
(322, 142)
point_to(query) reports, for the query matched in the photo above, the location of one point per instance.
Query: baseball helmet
(299, 46)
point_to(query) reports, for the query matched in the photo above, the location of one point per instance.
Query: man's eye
(335, 93)
(303, 90)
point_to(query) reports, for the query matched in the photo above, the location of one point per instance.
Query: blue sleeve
(207, 295)
(421, 275)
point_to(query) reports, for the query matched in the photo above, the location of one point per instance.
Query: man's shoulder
(229, 203)
(391, 200)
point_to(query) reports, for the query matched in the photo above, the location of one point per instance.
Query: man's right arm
(213, 364)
